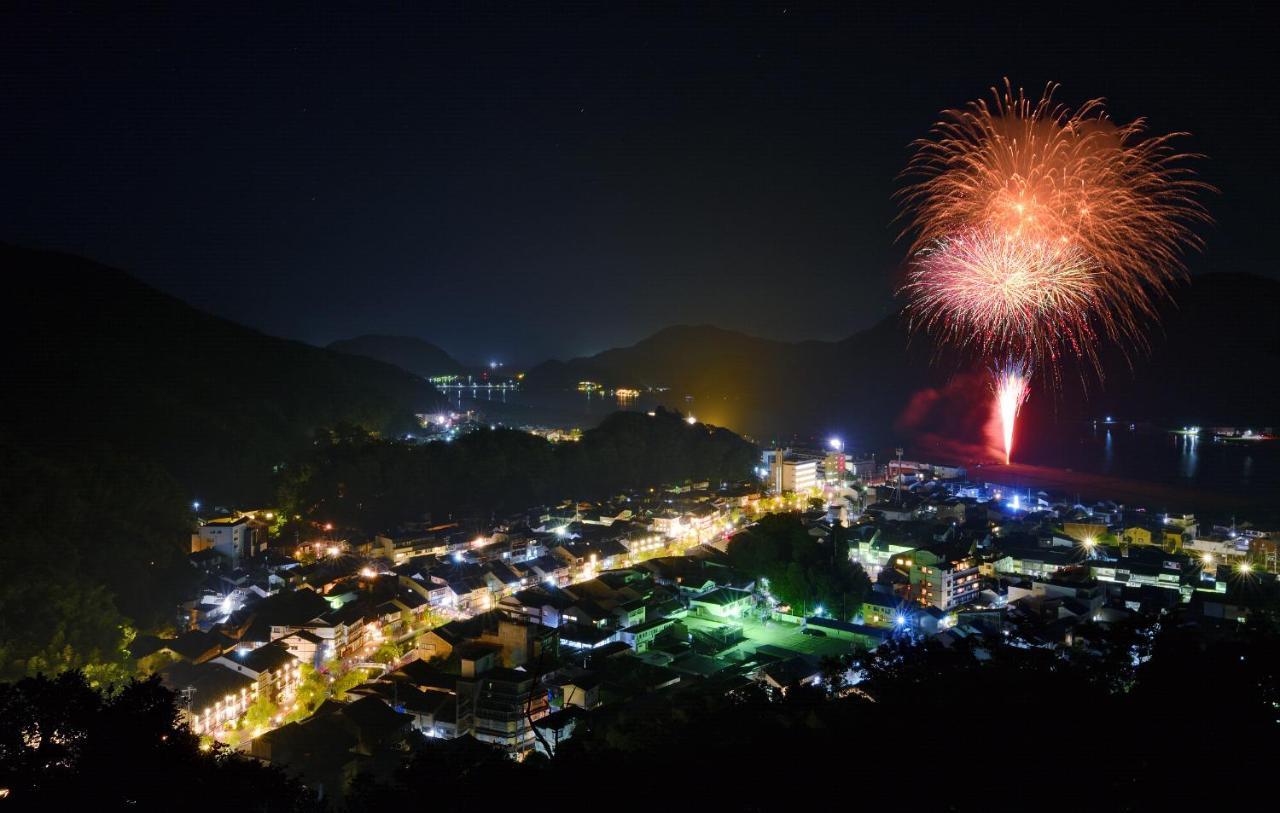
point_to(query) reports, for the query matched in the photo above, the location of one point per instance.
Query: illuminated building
(834, 466)
(1178, 532)
(940, 580)
(723, 602)
(788, 475)
(496, 708)
(875, 553)
(1138, 535)
(212, 696)
(883, 610)
(233, 537)
(641, 636)
(787, 472)
(272, 666)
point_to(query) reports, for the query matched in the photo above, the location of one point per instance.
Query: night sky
(525, 184)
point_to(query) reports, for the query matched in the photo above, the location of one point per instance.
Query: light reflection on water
(1189, 455)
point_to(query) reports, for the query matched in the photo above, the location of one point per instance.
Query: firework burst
(1040, 171)
(1008, 297)
(1038, 230)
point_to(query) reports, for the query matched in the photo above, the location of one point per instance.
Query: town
(329, 653)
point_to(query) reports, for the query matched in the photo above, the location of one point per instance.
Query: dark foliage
(81, 538)
(802, 571)
(363, 482)
(67, 746)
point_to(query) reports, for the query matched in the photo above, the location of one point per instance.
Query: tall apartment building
(498, 707)
(790, 474)
(941, 580)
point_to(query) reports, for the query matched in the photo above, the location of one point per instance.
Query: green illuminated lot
(775, 633)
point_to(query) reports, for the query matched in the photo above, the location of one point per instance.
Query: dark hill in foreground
(1214, 359)
(94, 357)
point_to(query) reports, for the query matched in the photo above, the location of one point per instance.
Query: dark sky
(523, 184)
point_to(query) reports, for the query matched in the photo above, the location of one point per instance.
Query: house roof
(791, 671)
(269, 658)
(721, 596)
(423, 675)
(210, 681)
(197, 646)
(374, 716)
(290, 609)
(226, 522)
(645, 626)
(505, 675)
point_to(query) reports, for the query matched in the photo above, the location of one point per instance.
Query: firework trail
(1038, 230)
(1011, 388)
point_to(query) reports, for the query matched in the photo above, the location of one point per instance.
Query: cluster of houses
(962, 559)
(430, 592)
(511, 635)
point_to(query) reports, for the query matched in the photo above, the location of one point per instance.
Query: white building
(790, 475)
(230, 536)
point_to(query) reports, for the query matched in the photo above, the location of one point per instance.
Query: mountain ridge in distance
(1219, 333)
(409, 353)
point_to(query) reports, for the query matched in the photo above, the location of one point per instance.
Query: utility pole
(898, 451)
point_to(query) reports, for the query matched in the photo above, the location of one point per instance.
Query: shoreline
(1140, 493)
